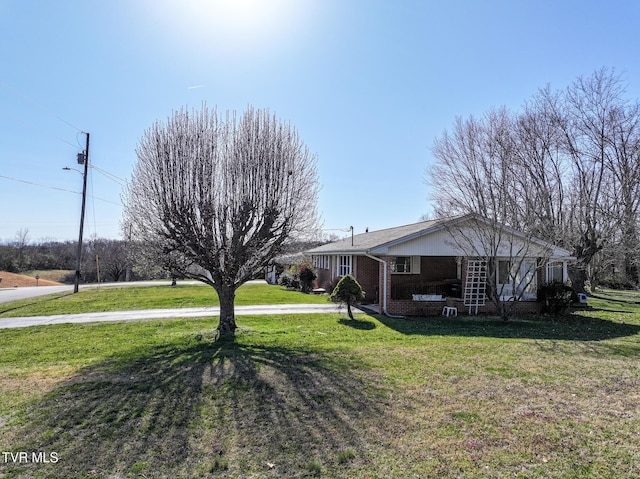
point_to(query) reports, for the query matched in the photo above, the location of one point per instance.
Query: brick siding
(367, 272)
(434, 308)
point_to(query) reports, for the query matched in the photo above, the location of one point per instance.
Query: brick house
(413, 269)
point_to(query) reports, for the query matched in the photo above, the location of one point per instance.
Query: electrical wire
(111, 176)
(18, 94)
(31, 183)
(36, 128)
(40, 185)
(106, 201)
(93, 207)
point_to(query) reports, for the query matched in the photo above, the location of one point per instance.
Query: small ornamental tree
(307, 277)
(347, 291)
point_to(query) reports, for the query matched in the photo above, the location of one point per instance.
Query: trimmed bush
(307, 277)
(289, 281)
(556, 297)
(347, 291)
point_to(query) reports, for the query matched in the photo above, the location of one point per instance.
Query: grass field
(324, 396)
(150, 297)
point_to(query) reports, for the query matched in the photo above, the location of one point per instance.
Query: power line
(16, 93)
(111, 176)
(106, 201)
(40, 185)
(37, 128)
(57, 188)
(93, 206)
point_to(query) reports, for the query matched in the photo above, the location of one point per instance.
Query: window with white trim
(406, 265)
(321, 261)
(344, 264)
(517, 279)
(555, 271)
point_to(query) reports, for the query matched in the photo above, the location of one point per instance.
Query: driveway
(169, 313)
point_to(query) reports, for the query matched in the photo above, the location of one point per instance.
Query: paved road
(13, 294)
(168, 313)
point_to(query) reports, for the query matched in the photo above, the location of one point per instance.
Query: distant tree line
(19, 256)
(109, 259)
(565, 168)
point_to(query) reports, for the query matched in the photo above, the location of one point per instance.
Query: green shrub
(347, 291)
(307, 277)
(289, 281)
(556, 297)
(299, 276)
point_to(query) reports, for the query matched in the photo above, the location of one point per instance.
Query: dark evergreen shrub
(307, 277)
(556, 297)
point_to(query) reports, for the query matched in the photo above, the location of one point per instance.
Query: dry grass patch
(13, 280)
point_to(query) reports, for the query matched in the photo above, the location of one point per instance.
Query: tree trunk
(504, 312)
(349, 310)
(578, 277)
(227, 325)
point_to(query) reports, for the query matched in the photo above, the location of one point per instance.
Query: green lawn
(150, 297)
(324, 396)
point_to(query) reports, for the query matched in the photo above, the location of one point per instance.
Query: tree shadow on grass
(358, 324)
(571, 327)
(4, 308)
(201, 408)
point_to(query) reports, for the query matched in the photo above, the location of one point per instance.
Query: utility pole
(83, 158)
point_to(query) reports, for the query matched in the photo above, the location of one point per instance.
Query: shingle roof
(364, 242)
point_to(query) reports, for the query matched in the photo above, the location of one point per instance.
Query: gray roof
(378, 240)
(365, 242)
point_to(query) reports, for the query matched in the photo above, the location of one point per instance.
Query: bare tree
(106, 259)
(566, 169)
(473, 172)
(624, 167)
(217, 196)
(478, 174)
(20, 244)
(541, 169)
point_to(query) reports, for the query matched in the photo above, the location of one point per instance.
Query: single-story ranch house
(413, 269)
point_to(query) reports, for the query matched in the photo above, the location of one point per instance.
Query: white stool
(449, 311)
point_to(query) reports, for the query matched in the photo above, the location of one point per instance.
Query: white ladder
(475, 286)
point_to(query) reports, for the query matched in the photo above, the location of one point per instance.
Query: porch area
(422, 288)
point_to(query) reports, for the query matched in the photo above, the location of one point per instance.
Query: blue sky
(368, 84)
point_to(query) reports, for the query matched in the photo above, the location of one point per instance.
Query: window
(321, 261)
(520, 275)
(402, 264)
(504, 272)
(406, 265)
(555, 272)
(344, 265)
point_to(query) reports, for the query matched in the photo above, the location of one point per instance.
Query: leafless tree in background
(106, 258)
(565, 169)
(624, 167)
(541, 170)
(217, 196)
(20, 243)
(478, 175)
(586, 126)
